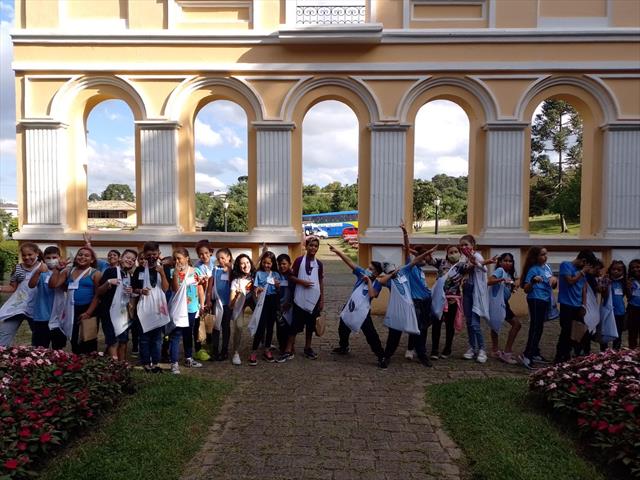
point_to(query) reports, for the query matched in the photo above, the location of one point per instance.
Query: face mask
(52, 263)
(454, 257)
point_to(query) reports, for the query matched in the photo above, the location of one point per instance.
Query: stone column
(621, 172)
(388, 169)
(273, 143)
(504, 198)
(158, 202)
(46, 173)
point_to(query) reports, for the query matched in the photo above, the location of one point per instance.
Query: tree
(238, 211)
(5, 223)
(94, 197)
(118, 191)
(558, 129)
(204, 205)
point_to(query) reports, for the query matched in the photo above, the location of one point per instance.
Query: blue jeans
(150, 344)
(538, 310)
(186, 333)
(9, 328)
(476, 339)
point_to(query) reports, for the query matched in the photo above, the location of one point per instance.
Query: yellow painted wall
(625, 13)
(516, 14)
(104, 9)
(38, 14)
(147, 15)
(572, 8)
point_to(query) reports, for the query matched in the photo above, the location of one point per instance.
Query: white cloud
(200, 157)
(108, 164)
(205, 135)
(208, 183)
(8, 147)
(239, 164)
(231, 137)
(225, 112)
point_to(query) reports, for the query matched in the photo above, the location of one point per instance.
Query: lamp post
(436, 202)
(225, 205)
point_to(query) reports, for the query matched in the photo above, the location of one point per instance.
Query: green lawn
(502, 434)
(541, 225)
(151, 435)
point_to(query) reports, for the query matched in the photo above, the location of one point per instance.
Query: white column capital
(157, 124)
(504, 126)
(389, 127)
(623, 126)
(266, 126)
(41, 123)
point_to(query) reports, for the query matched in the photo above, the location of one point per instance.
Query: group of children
(177, 300)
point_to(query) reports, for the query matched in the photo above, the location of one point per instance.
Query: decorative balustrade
(334, 13)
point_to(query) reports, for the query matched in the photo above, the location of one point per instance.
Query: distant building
(11, 208)
(111, 214)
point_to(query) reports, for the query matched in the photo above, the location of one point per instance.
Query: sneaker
(495, 353)
(253, 359)
(526, 362)
(410, 354)
(383, 363)
(482, 356)
(191, 363)
(175, 369)
(541, 359)
(310, 354)
(156, 369)
(443, 356)
(426, 362)
(446, 353)
(291, 356)
(283, 358)
(469, 354)
(147, 368)
(268, 356)
(340, 351)
(507, 357)
(434, 356)
(236, 359)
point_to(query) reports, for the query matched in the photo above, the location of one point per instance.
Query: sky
(442, 131)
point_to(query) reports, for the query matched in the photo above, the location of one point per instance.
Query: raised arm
(343, 257)
(33, 281)
(424, 254)
(405, 240)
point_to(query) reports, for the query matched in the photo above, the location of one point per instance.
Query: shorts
(302, 319)
(110, 337)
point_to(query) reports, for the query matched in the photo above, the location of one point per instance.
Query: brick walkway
(338, 417)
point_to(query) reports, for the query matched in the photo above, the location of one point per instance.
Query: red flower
(597, 403)
(22, 446)
(46, 391)
(573, 389)
(629, 407)
(25, 432)
(11, 464)
(57, 373)
(602, 425)
(582, 422)
(45, 437)
(614, 429)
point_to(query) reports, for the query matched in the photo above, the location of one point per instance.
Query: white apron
(357, 308)
(480, 289)
(592, 314)
(21, 302)
(178, 306)
(307, 298)
(497, 307)
(257, 312)
(118, 311)
(401, 314)
(152, 309)
(288, 315)
(66, 319)
(609, 329)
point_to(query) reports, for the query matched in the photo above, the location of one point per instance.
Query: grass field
(541, 225)
(150, 436)
(503, 436)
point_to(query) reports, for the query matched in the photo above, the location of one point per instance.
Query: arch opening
(221, 173)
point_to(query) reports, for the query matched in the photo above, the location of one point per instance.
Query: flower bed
(46, 395)
(601, 393)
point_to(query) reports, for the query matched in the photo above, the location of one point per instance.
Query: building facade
(497, 59)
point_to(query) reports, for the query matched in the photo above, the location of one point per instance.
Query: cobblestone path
(338, 417)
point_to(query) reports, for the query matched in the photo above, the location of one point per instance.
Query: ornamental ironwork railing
(331, 14)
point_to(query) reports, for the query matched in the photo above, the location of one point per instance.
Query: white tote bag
(152, 309)
(592, 307)
(257, 313)
(178, 310)
(357, 308)
(497, 307)
(307, 297)
(21, 301)
(401, 314)
(118, 311)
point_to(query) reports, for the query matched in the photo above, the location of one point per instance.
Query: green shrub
(8, 257)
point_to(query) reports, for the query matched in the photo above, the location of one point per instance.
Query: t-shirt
(454, 281)
(286, 289)
(103, 265)
(262, 281)
(501, 273)
(138, 277)
(86, 288)
(360, 273)
(19, 274)
(222, 284)
(634, 298)
(417, 281)
(539, 290)
(43, 298)
(617, 297)
(570, 294)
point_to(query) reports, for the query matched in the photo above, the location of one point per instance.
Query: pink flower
(11, 464)
(629, 407)
(45, 437)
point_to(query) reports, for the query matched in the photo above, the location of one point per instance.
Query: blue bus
(333, 222)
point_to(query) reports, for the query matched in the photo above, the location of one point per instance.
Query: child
(595, 285)
(633, 306)
(80, 281)
(571, 283)
(240, 298)
(504, 278)
(187, 289)
(206, 266)
(115, 292)
(475, 298)
(19, 306)
(539, 283)
(308, 296)
(45, 297)
(267, 283)
(617, 274)
(218, 294)
(285, 318)
(113, 258)
(151, 330)
(358, 307)
(453, 271)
